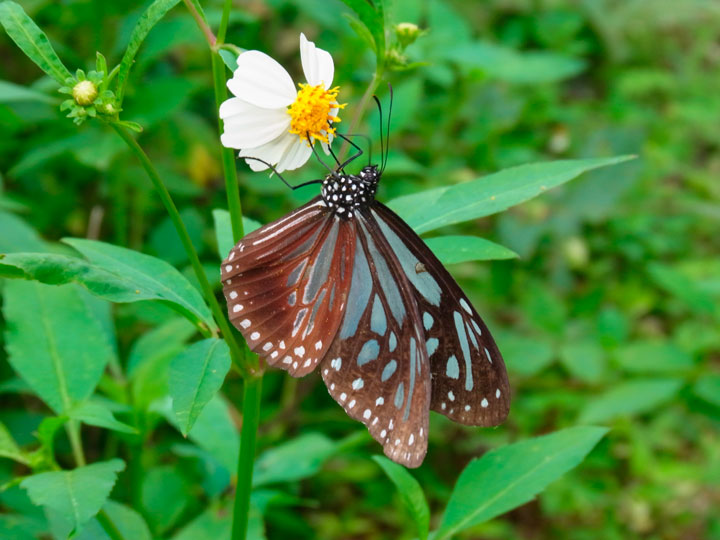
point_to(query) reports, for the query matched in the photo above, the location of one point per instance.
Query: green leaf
(9, 448)
(708, 388)
(153, 278)
(293, 460)
(411, 492)
(76, 495)
(229, 58)
(629, 398)
(11, 93)
(115, 274)
(523, 354)
(18, 235)
(373, 21)
(129, 523)
(518, 67)
(491, 194)
(510, 476)
(195, 377)
(584, 359)
(163, 511)
(653, 357)
(223, 230)
(54, 342)
(214, 430)
(150, 18)
(95, 414)
(458, 249)
(682, 287)
(33, 41)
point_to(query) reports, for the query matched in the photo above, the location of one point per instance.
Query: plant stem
(236, 352)
(246, 459)
(232, 187)
(360, 110)
(202, 24)
(73, 431)
(108, 526)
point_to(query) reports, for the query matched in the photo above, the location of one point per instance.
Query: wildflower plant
(56, 303)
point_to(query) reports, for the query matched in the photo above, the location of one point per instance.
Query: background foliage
(608, 317)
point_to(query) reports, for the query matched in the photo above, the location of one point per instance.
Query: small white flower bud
(84, 93)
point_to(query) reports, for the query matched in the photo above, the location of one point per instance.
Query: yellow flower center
(311, 113)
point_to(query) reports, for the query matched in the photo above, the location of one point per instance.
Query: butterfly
(345, 284)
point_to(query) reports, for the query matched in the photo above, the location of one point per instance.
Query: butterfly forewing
(469, 380)
(287, 283)
(377, 367)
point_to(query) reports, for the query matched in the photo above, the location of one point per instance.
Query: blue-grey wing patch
(469, 380)
(377, 367)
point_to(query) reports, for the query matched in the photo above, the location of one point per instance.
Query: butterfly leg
(354, 156)
(280, 176)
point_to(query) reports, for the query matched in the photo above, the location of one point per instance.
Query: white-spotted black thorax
(346, 193)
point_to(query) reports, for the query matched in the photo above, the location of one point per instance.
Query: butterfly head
(347, 193)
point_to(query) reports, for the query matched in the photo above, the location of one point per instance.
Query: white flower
(269, 119)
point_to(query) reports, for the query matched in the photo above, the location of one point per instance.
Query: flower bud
(84, 93)
(407, 33)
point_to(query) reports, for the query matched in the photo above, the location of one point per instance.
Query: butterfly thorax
(347, 193)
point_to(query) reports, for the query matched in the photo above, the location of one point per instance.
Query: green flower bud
(84, 93)
(407, 33)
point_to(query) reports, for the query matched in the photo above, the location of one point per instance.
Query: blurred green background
(609, 315)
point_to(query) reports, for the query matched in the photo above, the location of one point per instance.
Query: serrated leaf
(96, 414)
(411, 493)
(115, 274)
(293, 460)
(153, 278)
(634, 397)
(148, 19)
(510, 476)
(491, 194)
(458, 249)
(196, 375)
(33, 41)
(9, 448)
(129, 523)
(76, 495)
(54, 342)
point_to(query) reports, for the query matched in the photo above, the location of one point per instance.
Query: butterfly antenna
(317, 156)
(382, 146)
(387, 140)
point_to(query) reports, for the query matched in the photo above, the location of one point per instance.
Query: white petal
(270, 152)
(260, 80)
(326, 145)
(247, 126)
(317, 64)
(295, 156)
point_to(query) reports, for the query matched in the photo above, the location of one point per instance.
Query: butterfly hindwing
(377, 367)
(286, 286)
(469, 380)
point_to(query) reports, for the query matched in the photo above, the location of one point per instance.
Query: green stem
(232, 188)
(360, 110)
(246, 460)
(236, 352)
(202, 24)
(108, 526)
(73, 431)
